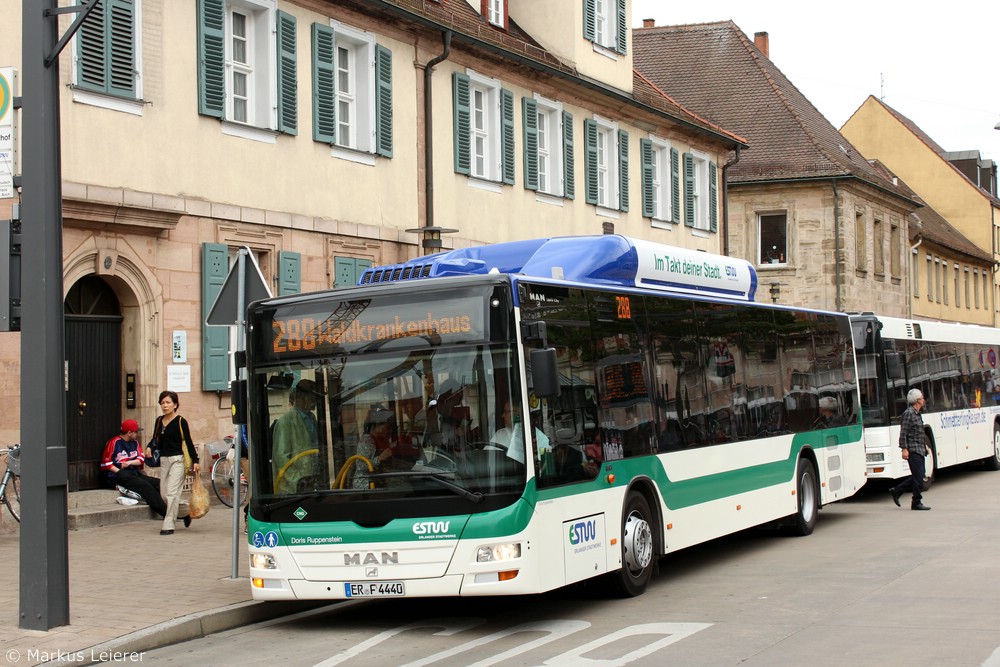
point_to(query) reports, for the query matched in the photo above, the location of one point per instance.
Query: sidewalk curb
(186, 628)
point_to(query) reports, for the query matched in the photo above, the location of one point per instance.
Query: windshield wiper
(458, 489)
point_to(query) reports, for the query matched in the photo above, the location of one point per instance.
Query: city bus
(518, 417)
(954, 365)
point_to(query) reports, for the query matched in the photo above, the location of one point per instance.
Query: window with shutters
(347, 270)
(352, 91)
(605, 24)
(247, 69)
(700, 192)
(484, 127)
(107, 56)
(659, 174)
(250, 49)
(895, 248)
(607, 151)
(544, 140)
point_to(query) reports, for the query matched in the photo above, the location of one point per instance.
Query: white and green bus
(954, 366)
(514, 418)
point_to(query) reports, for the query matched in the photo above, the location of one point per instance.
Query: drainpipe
(911, 270)
(429, 130)
(836, 244)
(725, 201)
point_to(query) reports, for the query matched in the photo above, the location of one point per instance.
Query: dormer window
(495, 12)
(605, 24)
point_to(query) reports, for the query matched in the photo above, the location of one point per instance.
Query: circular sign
(992, 356)
(4, 96)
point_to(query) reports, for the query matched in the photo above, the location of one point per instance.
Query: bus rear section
(953, 365)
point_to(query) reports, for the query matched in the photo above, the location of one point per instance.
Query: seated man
(294, 433)
(828, 417)
(510, 437)
(121, 465)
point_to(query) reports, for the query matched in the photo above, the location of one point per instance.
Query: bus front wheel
(638, 547)
(807, 498)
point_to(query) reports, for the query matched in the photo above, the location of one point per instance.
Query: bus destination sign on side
(690, 271)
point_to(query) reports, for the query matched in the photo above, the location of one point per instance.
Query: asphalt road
(874, 585)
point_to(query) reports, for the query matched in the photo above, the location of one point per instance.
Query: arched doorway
(94, 376)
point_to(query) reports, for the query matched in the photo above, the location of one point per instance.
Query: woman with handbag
(176, 448)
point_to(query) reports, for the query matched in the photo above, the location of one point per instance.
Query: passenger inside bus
(295, 434)
(829, 413)
(510, 436)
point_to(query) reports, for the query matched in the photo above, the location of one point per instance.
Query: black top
(169, 438)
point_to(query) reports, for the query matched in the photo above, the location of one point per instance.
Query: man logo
(369, 558)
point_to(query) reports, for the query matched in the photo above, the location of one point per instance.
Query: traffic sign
(226, 309)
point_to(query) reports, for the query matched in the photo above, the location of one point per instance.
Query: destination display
(353, 325)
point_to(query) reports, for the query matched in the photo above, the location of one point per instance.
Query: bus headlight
(263, 562)
(499, 552)
(875, 457)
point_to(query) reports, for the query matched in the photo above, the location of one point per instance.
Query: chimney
(649, 23)
(761, 42)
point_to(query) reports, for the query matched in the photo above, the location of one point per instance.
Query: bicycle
(222, 472)
(10, 487)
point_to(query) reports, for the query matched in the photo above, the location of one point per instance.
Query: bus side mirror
(893, 366)
(544, 373)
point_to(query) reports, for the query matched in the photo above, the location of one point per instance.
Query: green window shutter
(689, 190)
(507, 135)
(211, 58)
(348, 270)
(675, 186)
(713, 195)
(106, 49)
(589, 20)
(214, 340)
(121, 46)
(590, 132)
(646, 155)
(92, 55)
(289, 273)
(622, 170)
(288, 76)
(569, 167)
(621, 43)
(529, 110)
(323, 103)
(463, 118)
(383, 101)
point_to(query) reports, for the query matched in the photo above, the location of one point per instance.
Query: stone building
(823, 227)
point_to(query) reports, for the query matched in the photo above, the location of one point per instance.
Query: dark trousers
(915, 482)
(147, 487)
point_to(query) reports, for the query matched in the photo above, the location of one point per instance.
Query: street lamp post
(431, 234)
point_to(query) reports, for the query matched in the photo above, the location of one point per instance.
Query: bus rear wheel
(993, 462)
(807, 497)
(638, 547)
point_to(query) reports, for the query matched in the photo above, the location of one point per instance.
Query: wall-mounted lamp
(431, 237)
(775, 292)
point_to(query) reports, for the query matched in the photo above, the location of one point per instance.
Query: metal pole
(241, 310)
(44, 563)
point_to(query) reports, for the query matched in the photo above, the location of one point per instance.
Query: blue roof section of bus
(593, 259)
(609, 259)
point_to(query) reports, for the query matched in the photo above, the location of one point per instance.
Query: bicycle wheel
(12, 497)
(222, 480)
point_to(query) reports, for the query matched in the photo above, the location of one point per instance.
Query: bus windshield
(403, 420)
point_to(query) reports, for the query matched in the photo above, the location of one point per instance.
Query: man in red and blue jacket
(121, 465)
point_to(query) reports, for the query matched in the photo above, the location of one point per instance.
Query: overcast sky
(937, 64)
